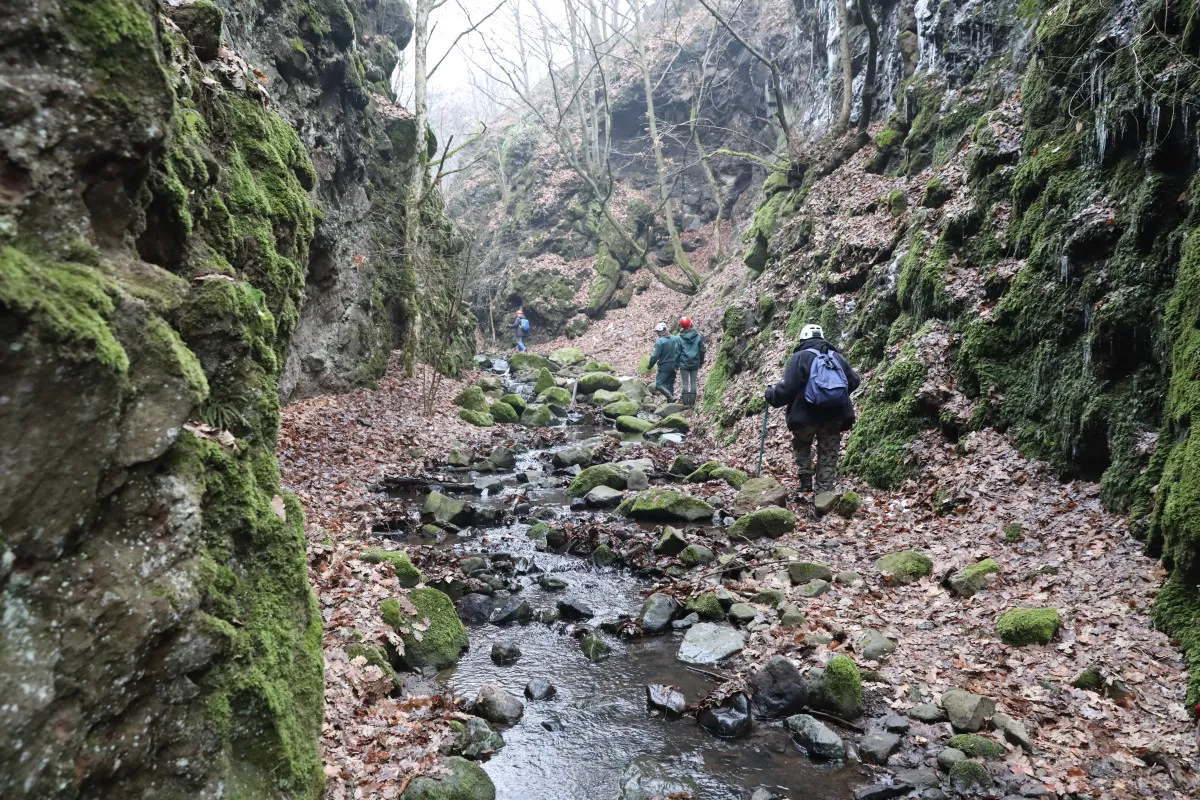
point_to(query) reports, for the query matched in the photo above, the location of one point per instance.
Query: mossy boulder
(597, 366)
(849, 505)
(770, 522)
(594, 381)
(706, 605)
(515, 400)
(604, 397)
(1025, 626)
(675, 422)
(594, 647)
(969, 776)
(472, 398)
(466, 781)
(734, 477)
(530, 361)
(703, 472)
(537, 415)
(375, 657)
(975, 746)
(445, 509)
(695, 555)
(407, 575)
(567, 356)
(598, 475)
(603, 556)
(664, 505)
(801, 572)
(503, 412)
(907, 566)
(482, 419)
(634, 425)
(671, 543)
(1091, 679)
(444, 639)
(556, 396)
(545, 380)
(621, 408)
(840, 688)
(969, 580)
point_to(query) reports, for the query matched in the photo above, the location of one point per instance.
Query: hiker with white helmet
(816, 388)
(665, 356)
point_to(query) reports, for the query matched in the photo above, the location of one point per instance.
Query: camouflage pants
(665, 383)
(829, 449)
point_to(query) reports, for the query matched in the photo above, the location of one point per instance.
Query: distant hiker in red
(816, 388)
(520, 327)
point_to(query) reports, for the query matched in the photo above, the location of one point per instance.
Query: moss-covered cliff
(158, 230)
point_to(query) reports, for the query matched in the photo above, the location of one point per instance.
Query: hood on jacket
(815, 343)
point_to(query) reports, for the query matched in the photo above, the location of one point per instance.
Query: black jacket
(790, 391)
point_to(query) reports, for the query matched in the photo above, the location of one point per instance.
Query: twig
(714, 675)
(834, 719)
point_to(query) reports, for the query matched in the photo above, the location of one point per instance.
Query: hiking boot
(806, 482)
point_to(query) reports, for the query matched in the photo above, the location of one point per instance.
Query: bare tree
(868, 92)
(843, 17)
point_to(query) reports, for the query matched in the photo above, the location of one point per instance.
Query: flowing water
(597, 731)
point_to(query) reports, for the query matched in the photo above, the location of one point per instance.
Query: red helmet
(685, 322)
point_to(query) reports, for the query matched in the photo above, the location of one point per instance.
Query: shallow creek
(598, 739)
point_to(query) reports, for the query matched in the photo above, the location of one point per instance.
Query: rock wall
(1013, 248)
(185, 191)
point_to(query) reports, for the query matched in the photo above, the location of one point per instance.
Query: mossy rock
(682, 465)
(442, 643)
(968, 776)
(907, 566)
(407, 575)
(567, 356)
(801, 572)
(598, 475)
(503, 412)
(671, 543)
(597, 366)
(603, 556)
(734, 477)
(515, 400)
(664, 505)
(695, 555)
(969, 580)
(472, 398)
(466, 781)
(707, 605)
(676, 422)
(556, 396)
(594, 648)
(621, 409)
(445, 509)
(633, 425)
(644, 365)
(976, 746)
(604, 397)
(703, 472)
(480, 418)
(1025, 626)
(1090, 679)
(841, 687)
(849, 505)
(594, 381)
(490, 383)
(545, 380)
(537, 415)
(771, 522)
(530, 361)
(375, 657)
(770, 597)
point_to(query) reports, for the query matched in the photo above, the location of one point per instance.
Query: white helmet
(811, 332)
(660, 327)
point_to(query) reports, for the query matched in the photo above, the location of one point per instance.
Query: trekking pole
(763, 445)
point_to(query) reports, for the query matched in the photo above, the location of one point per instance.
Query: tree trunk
(412, 216)
(843, 121)
(868, 93)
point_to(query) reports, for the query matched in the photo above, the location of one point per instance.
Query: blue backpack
(827, 386)
(524, 324)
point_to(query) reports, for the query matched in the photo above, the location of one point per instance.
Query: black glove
(768, 394)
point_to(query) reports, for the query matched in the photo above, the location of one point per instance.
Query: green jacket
(666, 353)
(691, 350)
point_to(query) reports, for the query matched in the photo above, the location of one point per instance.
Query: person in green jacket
(665, 355)
(691, 357)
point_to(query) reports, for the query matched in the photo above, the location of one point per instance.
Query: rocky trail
(602, 602)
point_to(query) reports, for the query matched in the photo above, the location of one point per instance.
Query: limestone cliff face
(183, 190)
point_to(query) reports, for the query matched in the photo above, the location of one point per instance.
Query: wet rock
(875, 748)
(477, 741)
(707, 643)
(473, 564)
(540, 689)
(927, 713)
(603, 556)
(728, 720)
(574, 610)
(759, 493)
(630, 424)
(948, 757)
(578, 455)
(551, 583)
(466, 780)
(801, 572)
(763, 793)
(976, 746)
(442, 643)
(882, 791)
(201, 24)
(671, 543)
(816, 739)
(474, 609)
(742, 613)
(919, 778)
(636, 480)
(445, 510)
(686, 622)
(505, 654)
(969, 776)
(695, 555)
(513, 610)
(967, 712)
(815, 588)
(770, 522)
(668, 699)
(553, 724)
(1013, 730)
(603, 497)
(969, 580)
(649, 777)
(826, 502)
(497, 706)
(664, 505)
(597, 475)
(874, 646)
(777, 689)
(657, 612)
(503, 458)
(894, 723)
(593, 647)
(537, 415)
(905, 567)
(836, 688)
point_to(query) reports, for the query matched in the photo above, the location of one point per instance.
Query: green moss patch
(904, 567)
(976, 746)
(1025, 626)
(406, 574)
(771, 522)
(433, 635)
(598, 475)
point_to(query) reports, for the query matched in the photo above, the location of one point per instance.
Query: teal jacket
(691, 350)
(666, 353)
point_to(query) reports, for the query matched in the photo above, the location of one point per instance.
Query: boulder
(474, 609)
(824, 502)
(603, 397)
(836, 688)
(442, 643)
(598, 475)
(778, 689)
(1013, 730)
(664, 505)
(503, 458)
(551, 583)
(800, 572)
(573, 610)
(814, 588)
(459, 457)
(594, 648)
(407, 575)
(515, 400)
(603, 556)
(597, 366)
(651, 777)
(465, 780)
(540, 689)
(695, 555)
(742, 613)
(476, 740)
(874, 646)
(505, 654)
(518, 362)
(675, 422)
(504, 413)
(445, 509)
(875, 748)
(1025, 626)
(816, 739)
(848, 578)
(967, 712)
(758, 493)
(671, 543)
(603, 497)
(497, 706)
(657, 613)
(537, 415)
(707, 605)
(545, 380)
(969, 580)
(728, 720)
(555, 396)
(513, 610)
(666, 698)
(593, 381)
(771, 522)
(905, 567)
(472, 398)
(682, 466)
(636, 480)
(633, 425)
(849, 505)
(928, 713)
(707, 643)
(770, 597)
(634, 389)
(621, 408)
(972, 745)
(970, 776)
(576, 455)
(947, 757)
(567, 356)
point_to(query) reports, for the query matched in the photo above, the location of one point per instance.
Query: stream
(595, 738)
